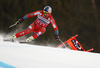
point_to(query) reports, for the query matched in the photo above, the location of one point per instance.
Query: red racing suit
(39, 25)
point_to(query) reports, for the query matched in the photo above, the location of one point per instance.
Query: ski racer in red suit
(44, 18)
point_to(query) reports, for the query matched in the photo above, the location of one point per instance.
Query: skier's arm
(28, 15)
(55, 28)
(31, 14)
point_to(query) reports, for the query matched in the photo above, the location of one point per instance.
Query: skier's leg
(27, 31)
(38, 32)
(24, 32)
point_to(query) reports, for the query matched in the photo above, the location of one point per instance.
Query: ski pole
(13, 24)
(62, 42)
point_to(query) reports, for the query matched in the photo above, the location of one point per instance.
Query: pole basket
(74, 44)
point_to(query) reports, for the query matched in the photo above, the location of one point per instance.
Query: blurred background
(72, 17)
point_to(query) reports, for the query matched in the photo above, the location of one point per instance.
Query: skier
(44, 18)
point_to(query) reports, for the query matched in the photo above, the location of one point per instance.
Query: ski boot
(30, 39)
(12, 38)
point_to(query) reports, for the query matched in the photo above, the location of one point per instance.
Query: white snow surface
(35, 56)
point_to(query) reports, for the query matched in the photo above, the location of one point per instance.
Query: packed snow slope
(16, 55)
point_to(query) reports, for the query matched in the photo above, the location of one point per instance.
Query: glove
(57, 37)
(20, 20)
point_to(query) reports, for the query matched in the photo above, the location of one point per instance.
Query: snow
(34, 56)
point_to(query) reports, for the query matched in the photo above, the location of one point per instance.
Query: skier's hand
(20, 20)
(57, 37)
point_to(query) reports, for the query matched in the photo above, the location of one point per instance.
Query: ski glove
(20, 20)
(57, 37)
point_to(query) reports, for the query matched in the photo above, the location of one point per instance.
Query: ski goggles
(47, 13)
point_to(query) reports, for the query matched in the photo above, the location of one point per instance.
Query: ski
(23, 42)
(9, 40)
